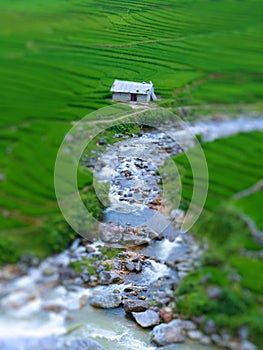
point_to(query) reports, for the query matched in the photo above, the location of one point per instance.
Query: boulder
(105, 301)
(169, 333)
(147, 318)
(135, 305)
(108, 277)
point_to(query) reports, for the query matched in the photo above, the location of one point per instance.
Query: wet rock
(110, 235)
(102, 142)
(205, 340)
(117, 265)
(169, 333)
(214, 292)
(129, 265)
(147, 318)
(210, 327)
(53, 307)
(135, 305)
(199, 320)
(17, 299)
(216, 339)
(138, 267)
(166, 314)
(189, 325)
(246, 345)
(234, 277)
(49, 271)
(90, 249)
(132, 289)
(243, 332)
(105, 300)
(85, 277)
(108, 277)
(66, 273)
(135, 240)
(194, 335)
(30, 260)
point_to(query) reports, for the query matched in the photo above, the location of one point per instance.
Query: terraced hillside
(235, 164)
(58, 60)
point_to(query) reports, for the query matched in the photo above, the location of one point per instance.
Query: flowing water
(36, 306)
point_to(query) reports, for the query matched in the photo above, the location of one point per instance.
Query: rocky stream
(123, 300)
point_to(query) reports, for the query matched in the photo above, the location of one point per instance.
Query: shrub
(8, 252)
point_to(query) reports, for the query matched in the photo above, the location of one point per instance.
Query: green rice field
(234, 164)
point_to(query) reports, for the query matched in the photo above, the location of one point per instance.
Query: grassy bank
(231, 262)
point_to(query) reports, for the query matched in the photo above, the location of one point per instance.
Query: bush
(8, 252)
(58, 235)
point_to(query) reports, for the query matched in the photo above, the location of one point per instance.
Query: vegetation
(231, 261)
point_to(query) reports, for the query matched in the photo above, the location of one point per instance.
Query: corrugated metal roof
(131, 87)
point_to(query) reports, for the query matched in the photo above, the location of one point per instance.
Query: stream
(44, 306)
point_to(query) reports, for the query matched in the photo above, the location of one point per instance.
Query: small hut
(129, 91)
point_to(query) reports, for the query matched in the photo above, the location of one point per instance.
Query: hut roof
(131, 87)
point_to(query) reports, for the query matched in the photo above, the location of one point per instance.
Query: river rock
(166, 314)
(214, 292)
(135, 305)
(205, 340)
(243, 332)
(130, 266)
(194, 335)
(110, 235)
(135, 240)
(169, 333)
(216, 339)
(246, 345)
(104, 300)
(49, 271)
(189, 325)
(108, 277)
(147, 318)
(210, 327)
(138, 266)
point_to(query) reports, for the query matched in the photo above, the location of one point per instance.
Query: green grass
(250, 205)
(234, 164)
(59, 59)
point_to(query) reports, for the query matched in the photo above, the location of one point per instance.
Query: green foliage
(57, 235)
(193, 304)
(249, 203)
(87, 264)
(110, 253)
(8, 252)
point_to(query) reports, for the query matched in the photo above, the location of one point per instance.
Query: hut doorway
(133, 97)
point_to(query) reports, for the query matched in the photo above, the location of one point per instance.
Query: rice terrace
(148, 74)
